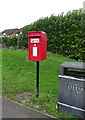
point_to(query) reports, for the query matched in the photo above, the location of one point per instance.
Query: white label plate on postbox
(35, 51)
(35, 40)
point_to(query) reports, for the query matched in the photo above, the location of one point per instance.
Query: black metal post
(37, 78)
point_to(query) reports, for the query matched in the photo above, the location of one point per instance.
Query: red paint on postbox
(37, 45)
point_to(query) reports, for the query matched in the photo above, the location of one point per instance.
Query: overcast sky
(18, 13)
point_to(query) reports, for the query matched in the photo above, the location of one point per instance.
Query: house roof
(11, 31)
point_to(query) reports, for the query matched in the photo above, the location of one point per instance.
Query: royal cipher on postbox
(37, 44)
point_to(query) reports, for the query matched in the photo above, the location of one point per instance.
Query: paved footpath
(11, 109)
(0, 45)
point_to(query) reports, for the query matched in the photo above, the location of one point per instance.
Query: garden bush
(66, 33)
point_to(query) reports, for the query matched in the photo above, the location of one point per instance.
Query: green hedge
(66, 33)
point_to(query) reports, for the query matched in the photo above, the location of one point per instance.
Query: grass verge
(19, 75)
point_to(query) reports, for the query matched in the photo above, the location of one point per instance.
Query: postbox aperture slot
(34, 36)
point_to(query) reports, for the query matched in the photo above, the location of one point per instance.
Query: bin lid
(74, 65)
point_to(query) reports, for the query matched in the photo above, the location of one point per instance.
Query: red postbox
(37, 44)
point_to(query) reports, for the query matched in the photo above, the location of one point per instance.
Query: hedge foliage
(66, 34)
